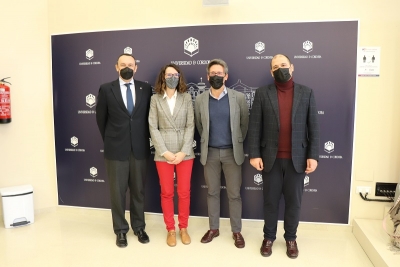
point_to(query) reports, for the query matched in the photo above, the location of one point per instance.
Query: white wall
(27, 143)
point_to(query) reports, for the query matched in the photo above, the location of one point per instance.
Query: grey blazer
(264, 127)
(175, 132)
(239, 116)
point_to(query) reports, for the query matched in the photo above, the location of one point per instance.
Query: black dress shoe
(142, 236)
(121, 240)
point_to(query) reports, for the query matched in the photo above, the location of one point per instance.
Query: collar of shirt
(221, 95)
(122, 82)
(173, 96)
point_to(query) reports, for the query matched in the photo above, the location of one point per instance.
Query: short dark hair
(125, 54)
(160, 85)
(280, 55)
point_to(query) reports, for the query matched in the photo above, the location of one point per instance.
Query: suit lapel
(206, 111)
(138, 96)
(116, 89)
(273, 97)
(178, 105)
(165, 108)
(232, 100)
(296, 99)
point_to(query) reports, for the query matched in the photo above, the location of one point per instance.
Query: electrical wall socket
(385, 189)
(363, 189)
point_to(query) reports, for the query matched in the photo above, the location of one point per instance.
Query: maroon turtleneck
(285, 100)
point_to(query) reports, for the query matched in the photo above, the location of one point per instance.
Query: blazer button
(131, 119)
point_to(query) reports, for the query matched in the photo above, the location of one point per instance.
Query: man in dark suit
(283, 144)
(122, 117)
(222, 118)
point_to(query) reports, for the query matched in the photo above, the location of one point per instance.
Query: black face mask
(282, 75)
(126, 73)
(216, 81)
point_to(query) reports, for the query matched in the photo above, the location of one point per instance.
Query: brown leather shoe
(185, 238)
(239, 241)
(209, 236)
(292, 250)
(266, 248)
(171, 238)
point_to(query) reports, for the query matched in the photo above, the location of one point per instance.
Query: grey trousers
(217, 160)
(123, 175)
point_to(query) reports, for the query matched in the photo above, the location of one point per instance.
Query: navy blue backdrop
(324, 57)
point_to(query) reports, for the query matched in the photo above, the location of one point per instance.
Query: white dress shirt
(124, 88)
(171, 101)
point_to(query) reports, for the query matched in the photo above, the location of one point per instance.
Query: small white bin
(17, 205)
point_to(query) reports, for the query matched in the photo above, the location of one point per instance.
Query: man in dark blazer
(222, 118)
(122, 117)
(283, 144)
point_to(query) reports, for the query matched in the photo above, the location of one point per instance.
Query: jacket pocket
(263, 144)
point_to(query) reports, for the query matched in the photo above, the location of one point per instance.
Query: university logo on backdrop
(260, 47)
(306, 180)
(306, 184)
(191, 46)
(128, 50)
(89, 54)
(93, 171)
(258, 179)
(329, 147)
(90, 100)
(74, 141)
(307, 46)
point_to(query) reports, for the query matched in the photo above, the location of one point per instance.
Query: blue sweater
(220, 123)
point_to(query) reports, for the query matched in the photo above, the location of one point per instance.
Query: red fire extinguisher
(5, 102)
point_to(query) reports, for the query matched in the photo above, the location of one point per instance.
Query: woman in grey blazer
(171, 123)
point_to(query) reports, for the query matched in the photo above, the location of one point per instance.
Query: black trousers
(282, 179)
(123, 175)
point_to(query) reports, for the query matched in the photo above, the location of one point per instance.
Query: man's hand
(178, 158)
(311, 165)
(169, 156)
(257, 163)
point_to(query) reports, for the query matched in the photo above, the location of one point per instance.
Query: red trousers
(166, 175)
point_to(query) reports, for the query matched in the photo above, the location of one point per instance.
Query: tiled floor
(67, 236)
